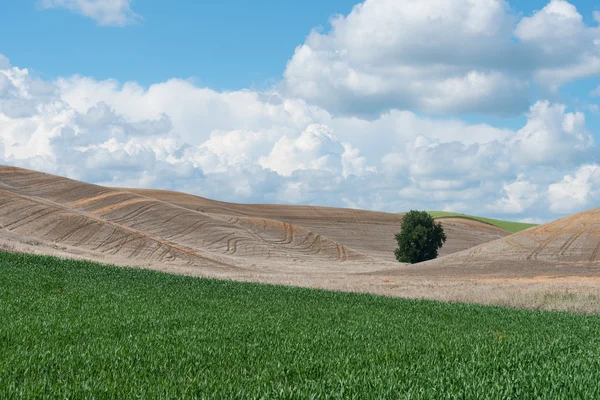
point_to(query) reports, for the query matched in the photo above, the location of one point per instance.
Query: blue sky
(225, 45)
(453, 104)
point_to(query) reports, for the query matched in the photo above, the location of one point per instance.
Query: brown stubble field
(553, 266)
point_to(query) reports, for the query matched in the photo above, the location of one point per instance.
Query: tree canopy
(420, 238)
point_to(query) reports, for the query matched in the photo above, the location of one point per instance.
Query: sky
(488, 107)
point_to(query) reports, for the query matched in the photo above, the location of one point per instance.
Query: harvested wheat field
(333, 248)
(369, 232)
(165, 227)
(563, 249)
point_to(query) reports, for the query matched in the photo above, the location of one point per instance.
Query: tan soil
(569, 246)
(322, 247)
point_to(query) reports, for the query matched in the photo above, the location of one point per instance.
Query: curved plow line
(322, 213)
(126, 229)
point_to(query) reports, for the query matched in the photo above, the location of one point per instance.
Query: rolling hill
(569, 246)
(323, 247)
(155, 228)
(512, 227)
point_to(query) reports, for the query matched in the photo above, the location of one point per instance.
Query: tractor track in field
(194, 235)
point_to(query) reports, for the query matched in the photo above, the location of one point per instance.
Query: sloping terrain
(369, 232)
(569, 246)
(156, 228)
(124, 225)
(550, 266)
(510, 226)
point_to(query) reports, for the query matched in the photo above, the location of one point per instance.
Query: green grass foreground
(512, 227)
(75, 329)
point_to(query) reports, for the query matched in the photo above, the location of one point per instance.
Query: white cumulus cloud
(518, 196)
(576, 192)
(441, 56)
(551, 136)
(563, 45)
(248, 146)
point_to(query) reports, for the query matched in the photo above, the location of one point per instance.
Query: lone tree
(420, 238)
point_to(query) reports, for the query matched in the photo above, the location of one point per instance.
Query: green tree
(420, 238)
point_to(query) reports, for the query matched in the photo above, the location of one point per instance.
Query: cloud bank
(441, 56)
(364, 117)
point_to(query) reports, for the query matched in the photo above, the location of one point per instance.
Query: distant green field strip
(512, 227)
(75, 329)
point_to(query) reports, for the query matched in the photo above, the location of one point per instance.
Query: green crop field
(512, 227)
(75, 329)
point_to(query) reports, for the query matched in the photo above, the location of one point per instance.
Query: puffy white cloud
(425, 158)
(563, 45)
(248, 146)
(195, 112)
(518, 197)
(353, 163)
(21, 94)
(432, 54)
(553, 28)
(585, 66)
(576, 192)
(104, 12)
(441, 56)
(316, 148)
(551, 136)
(234, 147)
